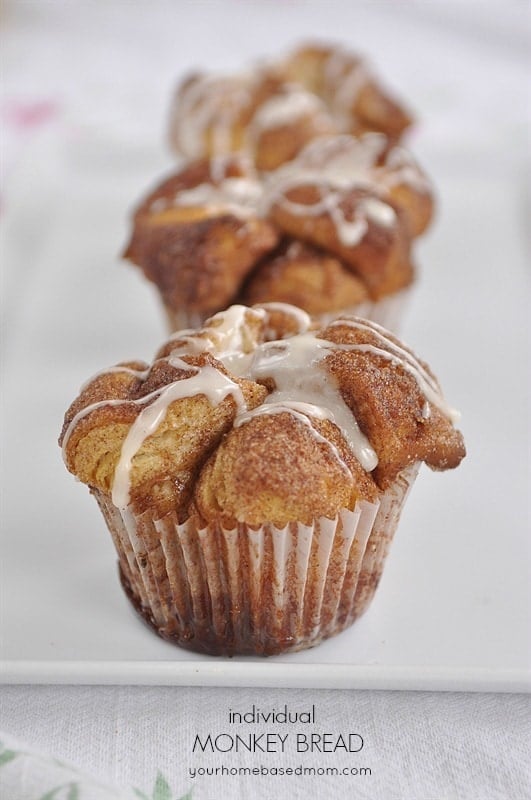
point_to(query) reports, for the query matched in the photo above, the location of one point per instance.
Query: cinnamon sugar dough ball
(356, 98)
(256, 112)
(304, 276)
(275, 469)
(198, 234)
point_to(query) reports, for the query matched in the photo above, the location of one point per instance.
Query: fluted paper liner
(263, 591)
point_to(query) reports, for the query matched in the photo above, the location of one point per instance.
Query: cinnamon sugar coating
(386, 400)
(304, 276)
(196, 252)
(166, 464)
(260, 417)
(275, 145)
(273, 110)
(381, 258)
(349, 88)
(209, 232)
(252, 179)
(273, 469)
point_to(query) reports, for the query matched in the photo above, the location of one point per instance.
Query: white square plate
(453, 607)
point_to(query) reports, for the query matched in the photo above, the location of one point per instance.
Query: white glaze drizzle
(400, 357)
(88, 410)
(158, 205)
(209, 101)
(302, 387)
(206, 380)
(293, 364)
(332, 163)
(284, 108)
(380, 333)
(302, 319)
(219, 164)
(335, 165)
(350, 232)
(338, 161)
(381, 213)
(228, 340)
(344, 77)
(401, 168)
(239, 196)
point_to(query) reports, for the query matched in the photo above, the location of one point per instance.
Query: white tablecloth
(106, 70)
(416, 745)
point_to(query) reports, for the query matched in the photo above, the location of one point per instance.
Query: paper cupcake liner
(262, 591)
(388, 311)
(181, 319)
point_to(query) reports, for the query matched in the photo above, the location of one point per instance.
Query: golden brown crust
(207, 229)
(200, 266)
(262, 110)
(381, 258)
(367, 106)
(167, 461)
(228, 448)
(273, 469)
(305, 277)
(224, 105)
(197, 253)
(389, 405)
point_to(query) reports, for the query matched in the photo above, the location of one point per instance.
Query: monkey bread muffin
(272, 110)
(291, 186)
(252, 476)
(332, 231)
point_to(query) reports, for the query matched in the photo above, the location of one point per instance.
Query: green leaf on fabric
(140, 794)
(51, 794)
(162, 789)
(73, 792)
(6, 756)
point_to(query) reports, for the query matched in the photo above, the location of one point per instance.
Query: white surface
(453, 609)
(109, 67)
(418, 746)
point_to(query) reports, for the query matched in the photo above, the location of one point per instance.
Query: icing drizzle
(335, 165)
(303, 387)
(400, 356)
(294, 365)
(344, 78)
(206, 380)
(239, 196)
(284, 108)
